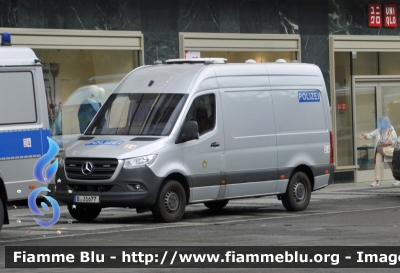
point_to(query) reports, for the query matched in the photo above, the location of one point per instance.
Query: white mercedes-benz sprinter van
(181, 133)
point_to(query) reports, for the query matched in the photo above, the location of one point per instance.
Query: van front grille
(90, 168)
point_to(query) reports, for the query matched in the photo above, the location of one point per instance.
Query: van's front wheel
(84, 213)
(298, 193)
(171, 202)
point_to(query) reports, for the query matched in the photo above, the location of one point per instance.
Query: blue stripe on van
(12, 143)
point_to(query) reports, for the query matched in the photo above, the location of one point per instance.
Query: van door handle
(215, 145)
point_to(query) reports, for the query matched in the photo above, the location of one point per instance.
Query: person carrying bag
(385, 139)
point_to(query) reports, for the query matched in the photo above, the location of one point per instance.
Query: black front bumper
(120, 192)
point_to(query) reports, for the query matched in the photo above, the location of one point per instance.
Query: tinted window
(202, 111)
(138, 114)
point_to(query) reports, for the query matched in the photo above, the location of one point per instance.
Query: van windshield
(137, 114)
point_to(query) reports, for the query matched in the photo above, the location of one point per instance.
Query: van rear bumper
(121, 192)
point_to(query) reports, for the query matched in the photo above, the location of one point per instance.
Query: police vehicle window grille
(138, 114)
(202, 111)
(17, 103)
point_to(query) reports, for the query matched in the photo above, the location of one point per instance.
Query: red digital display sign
(341, 106)
(374, 15)
(390, 15)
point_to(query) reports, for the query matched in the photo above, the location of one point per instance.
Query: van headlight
(140, 161)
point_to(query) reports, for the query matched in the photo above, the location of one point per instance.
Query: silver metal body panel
(200, 194)
(260, 124)
(281, 186)
(81, 149)
(166, 79)
(250, 189)
(321, 181)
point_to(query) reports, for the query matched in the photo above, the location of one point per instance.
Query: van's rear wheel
(84, 213)
(220, 204)
(298, 193)
(171, 202)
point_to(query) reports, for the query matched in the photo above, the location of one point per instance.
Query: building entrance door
(373, 97)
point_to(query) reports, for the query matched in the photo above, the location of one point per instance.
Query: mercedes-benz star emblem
(87, 168)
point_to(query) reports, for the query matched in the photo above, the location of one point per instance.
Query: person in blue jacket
(88, 108)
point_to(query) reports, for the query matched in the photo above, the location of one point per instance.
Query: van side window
(18, 98)
(202, 111)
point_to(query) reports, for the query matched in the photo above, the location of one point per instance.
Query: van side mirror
(190, 131)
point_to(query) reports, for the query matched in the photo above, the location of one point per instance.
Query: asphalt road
(340, 215)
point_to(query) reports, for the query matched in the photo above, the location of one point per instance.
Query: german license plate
(86, 199)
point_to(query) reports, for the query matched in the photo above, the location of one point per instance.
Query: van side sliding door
(250, 141)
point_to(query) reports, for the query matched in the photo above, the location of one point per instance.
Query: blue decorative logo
(50, 171)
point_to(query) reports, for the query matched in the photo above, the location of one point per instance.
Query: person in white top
(384, 136)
